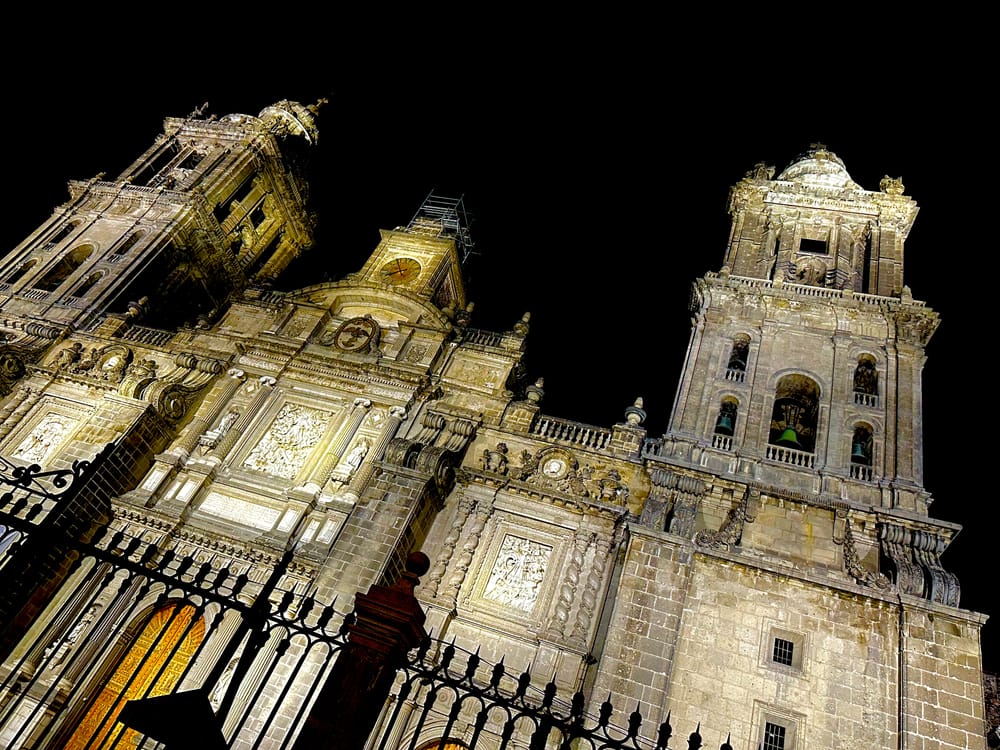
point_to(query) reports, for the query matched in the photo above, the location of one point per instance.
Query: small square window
(777, 728)
(774, 737)
(783, 651)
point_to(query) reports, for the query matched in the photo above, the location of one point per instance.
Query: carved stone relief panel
(284, 448)
(41, 444)
(514, 574)
(518, 572)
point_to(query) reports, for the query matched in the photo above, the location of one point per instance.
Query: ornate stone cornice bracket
(732, 529)
(842, 534)
(915, 554)
(673, 502)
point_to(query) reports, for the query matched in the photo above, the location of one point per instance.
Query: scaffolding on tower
(450, 218)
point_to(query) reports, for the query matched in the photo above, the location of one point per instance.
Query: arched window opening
(861, 452)
(65, 231)
(66, 266)
(152, 666)
(129, 243)
(795, 414)
(87, 285)
(444, 745)
(861, 445)
(21, 270)
(737, 366)
(866, 381)
(725, 423)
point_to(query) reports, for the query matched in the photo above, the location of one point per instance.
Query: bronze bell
(789, 439)
(725, 425)
(858, 454)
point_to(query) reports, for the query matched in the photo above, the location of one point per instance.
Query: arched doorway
(152, 666)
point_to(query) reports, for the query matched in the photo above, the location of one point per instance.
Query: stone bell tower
(214, 205)
(790, 480)
(805, 364)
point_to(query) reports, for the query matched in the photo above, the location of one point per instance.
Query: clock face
(400, 270)
(554, 467)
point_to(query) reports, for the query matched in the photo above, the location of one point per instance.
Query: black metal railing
(142, 616)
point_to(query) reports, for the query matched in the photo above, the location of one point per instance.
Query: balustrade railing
(576, 433)
(143, 335)
(814, 291)
(722, 442)
(483, 338)
(790, 456)
(865, 399)
(863, 472)
(736, 376)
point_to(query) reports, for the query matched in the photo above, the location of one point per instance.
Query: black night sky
(598, 188)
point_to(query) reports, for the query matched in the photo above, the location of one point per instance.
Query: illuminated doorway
(152, 666)
(448, 745)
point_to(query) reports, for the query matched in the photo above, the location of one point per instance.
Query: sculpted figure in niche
(357, 455)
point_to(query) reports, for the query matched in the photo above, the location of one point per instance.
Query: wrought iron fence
(220, 647)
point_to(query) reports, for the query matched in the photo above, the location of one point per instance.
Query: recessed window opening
(795, 414)
(783, 650)
(774, 737)
(818, 247)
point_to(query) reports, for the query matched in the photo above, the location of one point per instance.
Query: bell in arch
(789, 439)
(858, 454)
(725, 425)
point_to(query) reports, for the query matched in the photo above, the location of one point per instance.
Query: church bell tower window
(794, 418)
(866, 381)
(64, 268)
(736, 367)
(861, 452)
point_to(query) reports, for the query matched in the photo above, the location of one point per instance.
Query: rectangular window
(783, 651)
(807, 245)
(774, 737)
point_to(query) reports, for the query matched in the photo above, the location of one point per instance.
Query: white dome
(819, 167)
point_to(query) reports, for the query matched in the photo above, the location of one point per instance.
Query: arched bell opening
(739, 354)
(866, 376)
(861, 445)
(795, 414)
(725, 422)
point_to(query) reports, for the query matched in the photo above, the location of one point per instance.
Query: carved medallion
(357, 335)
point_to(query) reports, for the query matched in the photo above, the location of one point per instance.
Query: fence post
(389, 624)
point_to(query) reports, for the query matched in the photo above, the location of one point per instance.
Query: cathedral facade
(766, 569)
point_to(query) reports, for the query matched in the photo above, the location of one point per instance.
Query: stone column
(360, 479)
(347, 431)
(189, 439)
(390, 623)
(465, 506)
(267, 384)
(473, 531)
(592, 588)
(16, 407)
(559, 624)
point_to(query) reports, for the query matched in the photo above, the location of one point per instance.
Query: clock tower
(424, 258)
